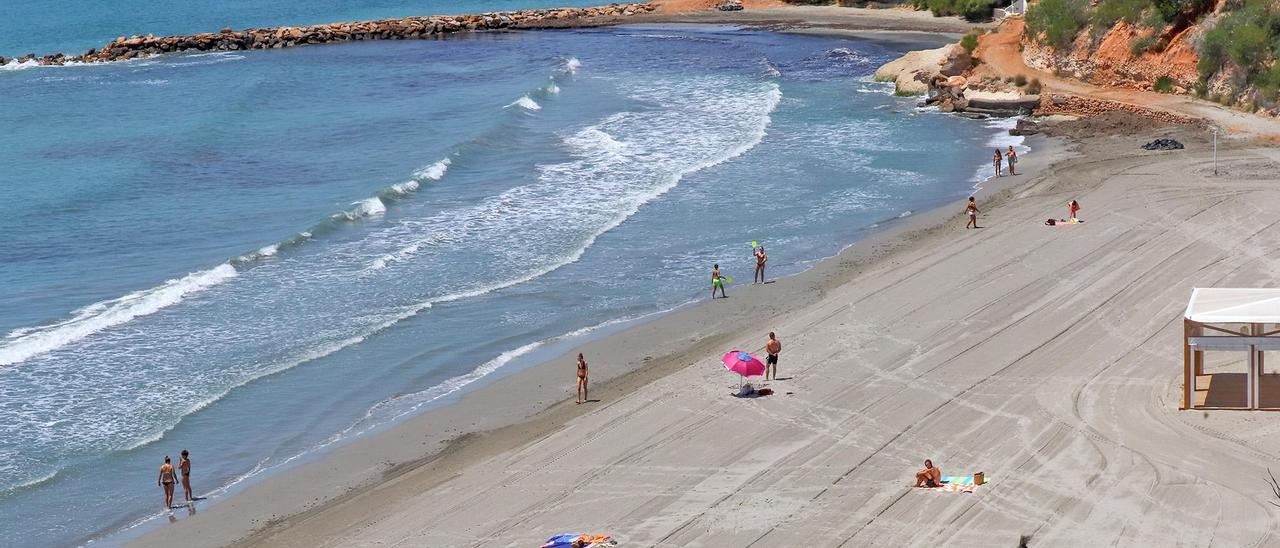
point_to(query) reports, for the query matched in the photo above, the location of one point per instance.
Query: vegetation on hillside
(1239, 48)
(972, 10)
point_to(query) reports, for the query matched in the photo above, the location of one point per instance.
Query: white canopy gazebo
(1230, 320)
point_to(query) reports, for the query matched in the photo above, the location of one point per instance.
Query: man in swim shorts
(717, 282)
(1012, 157)
(582, 378)
(184, 466)
(166, 480)
(761, 258)
(931, 476)
(773, 348)
(971, 210)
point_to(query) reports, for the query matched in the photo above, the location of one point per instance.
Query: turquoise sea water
(256, 255)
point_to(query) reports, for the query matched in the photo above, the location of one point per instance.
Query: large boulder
(911, 72)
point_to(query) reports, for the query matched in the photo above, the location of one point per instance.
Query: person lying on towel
(931, 476)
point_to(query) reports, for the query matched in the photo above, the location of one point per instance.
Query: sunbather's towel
(955, 484)
(565, 541)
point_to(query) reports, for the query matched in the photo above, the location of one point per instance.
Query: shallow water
(252, 255)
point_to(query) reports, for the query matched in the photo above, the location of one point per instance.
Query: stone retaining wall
(408, 28)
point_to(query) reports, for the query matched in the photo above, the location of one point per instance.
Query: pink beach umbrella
(743, 363)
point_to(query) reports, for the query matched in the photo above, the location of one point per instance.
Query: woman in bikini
(582, 378)
(972, 211)
(1073, 207)
(166, 481)
(761, 258)
(997, 161)
(184, 466)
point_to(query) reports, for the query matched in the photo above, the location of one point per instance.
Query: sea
(258, 256)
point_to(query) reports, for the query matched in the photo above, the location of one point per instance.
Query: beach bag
(979, 478)
(1051, 222)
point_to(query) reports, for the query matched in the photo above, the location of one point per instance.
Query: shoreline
(507, 411)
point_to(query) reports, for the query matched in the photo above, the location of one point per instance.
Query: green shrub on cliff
(970, 42)
(1057, 22)
(972, 10)
(1112, 11)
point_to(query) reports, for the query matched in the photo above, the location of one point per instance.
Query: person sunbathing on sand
(931, 476)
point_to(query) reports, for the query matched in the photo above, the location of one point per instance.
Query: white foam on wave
(15, 65)
(434, 171)
(27, 343)
(552, 89)
(368, 207)
(572, 64)
(525, 102)
(405, 187)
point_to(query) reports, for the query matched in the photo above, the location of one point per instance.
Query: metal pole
(1215, 151)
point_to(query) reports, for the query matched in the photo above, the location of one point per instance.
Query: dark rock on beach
(408, 28)
(1163, 144)
(1025, 127)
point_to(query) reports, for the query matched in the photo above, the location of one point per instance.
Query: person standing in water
(1012, 157)
(717, 281)
(184, 466)
(997, 161)
(761, 258)
(1073, 207)
(166, 481)
(773, 348)
(971, 210)
(582, 378)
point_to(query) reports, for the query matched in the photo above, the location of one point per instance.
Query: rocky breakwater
(408, 28)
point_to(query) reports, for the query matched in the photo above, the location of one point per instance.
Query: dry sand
(1048, 357)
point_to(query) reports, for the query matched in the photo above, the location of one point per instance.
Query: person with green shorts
(717, 282)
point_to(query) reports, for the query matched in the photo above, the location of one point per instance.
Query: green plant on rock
(1146, 44)
(1163, 84)
(1033, 87)
(1020, 80)
(1057, 22)
(970, 42)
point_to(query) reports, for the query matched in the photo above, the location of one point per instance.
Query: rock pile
(1079, 106)
(1163, 144)
(409, 28)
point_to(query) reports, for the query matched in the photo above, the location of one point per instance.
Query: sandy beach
(1046, 357)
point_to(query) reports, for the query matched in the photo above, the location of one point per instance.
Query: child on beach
(971, 210)
(717, 282)
(1012, 157)
(998, 158)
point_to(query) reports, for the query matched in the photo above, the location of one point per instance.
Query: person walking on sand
(971, 210)
(761, 258)
(1073, 207)
(998, 160)
(931, 476)
(184, 466)
(166, 480)
(1012, 157)
(582, 378)
(717, 281)
(773, 348)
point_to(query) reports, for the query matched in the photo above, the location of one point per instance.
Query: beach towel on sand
(586, 541)
(955, 484)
